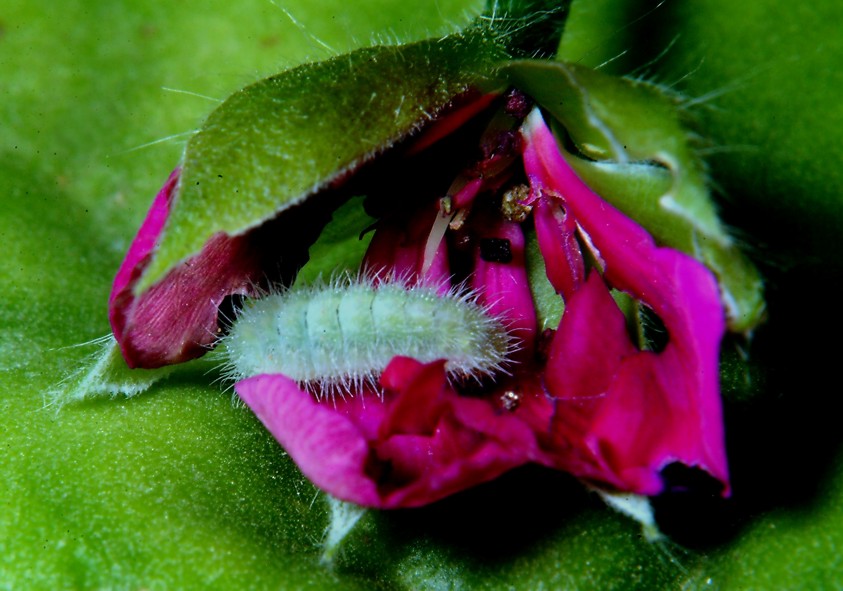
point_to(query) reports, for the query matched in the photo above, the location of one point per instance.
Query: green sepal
(105, 373)
(549, 304)
(272, 144)
(638, 156)
(341, 245)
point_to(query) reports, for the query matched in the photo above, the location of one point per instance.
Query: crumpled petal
(147, 236)
(659, 407)
(177, 319)
(327, 445)
(556, 232)
(422, 443)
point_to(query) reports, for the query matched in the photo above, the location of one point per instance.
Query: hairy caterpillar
(338, 337)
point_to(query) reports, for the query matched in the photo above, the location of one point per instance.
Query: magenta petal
(671, 397)
(459, 113)
(645, 424)
(472, 442)
(420, 414)
(176, 319)
(589, 345)
(556, 235)
(420, 444)
(501, 280)
(327, 446)
(623, 415)
(147, 235)
(466, 195)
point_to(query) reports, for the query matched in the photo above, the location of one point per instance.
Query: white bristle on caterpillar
(338, 337)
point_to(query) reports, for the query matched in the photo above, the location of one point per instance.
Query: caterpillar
(338, 337)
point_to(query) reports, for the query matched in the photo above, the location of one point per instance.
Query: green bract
(270, 145)
(637, 156)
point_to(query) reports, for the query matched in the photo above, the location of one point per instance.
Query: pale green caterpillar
(338, 337)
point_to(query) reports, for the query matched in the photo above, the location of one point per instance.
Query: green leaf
(638, 157)
(182, 490)
(270, 145)
(766, 95)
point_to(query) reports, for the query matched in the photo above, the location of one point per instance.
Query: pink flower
(423, 442)
(177, 319)
(226, 265)
(584, 398)
(595, 404)
(644, 409)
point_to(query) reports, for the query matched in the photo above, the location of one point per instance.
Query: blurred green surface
(179, 488)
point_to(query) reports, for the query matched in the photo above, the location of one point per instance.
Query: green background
(180, 488)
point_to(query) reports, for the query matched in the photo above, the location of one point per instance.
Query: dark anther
(496, 250)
